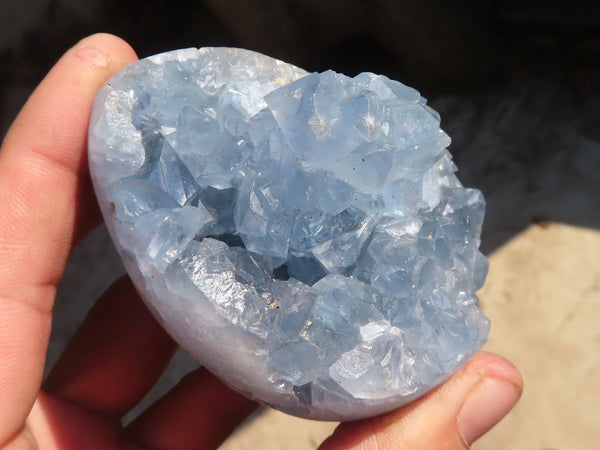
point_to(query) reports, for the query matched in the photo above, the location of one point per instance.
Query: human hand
(120, 351)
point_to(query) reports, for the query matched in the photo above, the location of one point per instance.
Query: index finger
(45, 196)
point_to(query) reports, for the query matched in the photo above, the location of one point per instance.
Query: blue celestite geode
(303, 235)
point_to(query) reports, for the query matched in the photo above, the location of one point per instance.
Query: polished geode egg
(303, 235)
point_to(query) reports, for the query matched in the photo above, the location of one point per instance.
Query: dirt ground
(543, 297)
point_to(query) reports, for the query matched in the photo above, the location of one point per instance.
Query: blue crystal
(303, 235)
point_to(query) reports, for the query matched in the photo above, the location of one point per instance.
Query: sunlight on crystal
(303, 235)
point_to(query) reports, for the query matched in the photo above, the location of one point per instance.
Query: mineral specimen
(303, 235)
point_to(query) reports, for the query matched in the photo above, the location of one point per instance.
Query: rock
(303, 235)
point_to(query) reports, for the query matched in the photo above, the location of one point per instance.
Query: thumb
(450, 417)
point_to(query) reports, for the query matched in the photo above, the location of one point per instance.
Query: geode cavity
(303, 235)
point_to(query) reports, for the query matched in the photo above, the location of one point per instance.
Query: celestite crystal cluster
(303, 235)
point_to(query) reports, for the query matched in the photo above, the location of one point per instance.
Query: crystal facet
(303, 235)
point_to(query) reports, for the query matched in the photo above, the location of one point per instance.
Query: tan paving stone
(543, 296)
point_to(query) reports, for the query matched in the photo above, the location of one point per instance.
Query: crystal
(303, 235)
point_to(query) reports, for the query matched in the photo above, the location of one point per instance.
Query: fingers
(43, 164)
(116, 356)
(451, 417)
(200, 412)
(114, 359)
(57, 424)
(43, 191)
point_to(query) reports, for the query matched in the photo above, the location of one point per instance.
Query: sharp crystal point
(303, 235)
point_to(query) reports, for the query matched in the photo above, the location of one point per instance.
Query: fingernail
(92, 55)
(485, 406)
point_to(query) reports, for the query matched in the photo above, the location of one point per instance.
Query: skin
(47, 207)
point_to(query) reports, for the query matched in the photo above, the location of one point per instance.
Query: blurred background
(517, 84)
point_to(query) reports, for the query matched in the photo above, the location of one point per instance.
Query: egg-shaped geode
(303, 235)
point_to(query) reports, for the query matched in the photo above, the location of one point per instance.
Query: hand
(120, 351)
